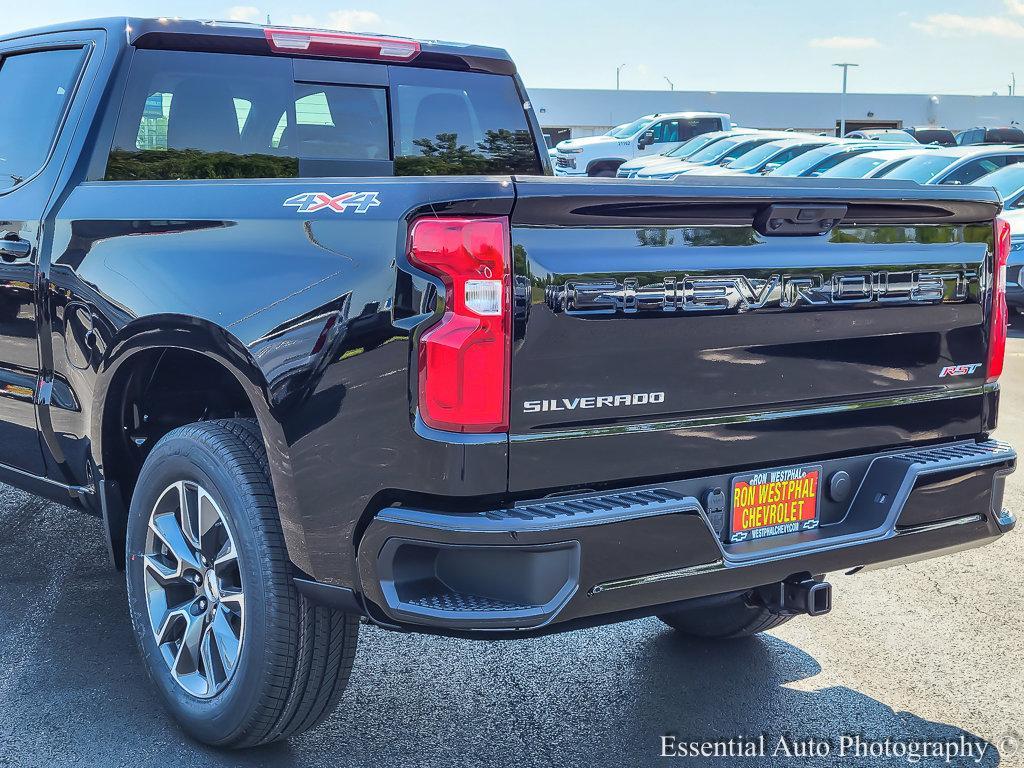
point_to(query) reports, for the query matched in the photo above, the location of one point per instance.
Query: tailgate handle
(798, 219)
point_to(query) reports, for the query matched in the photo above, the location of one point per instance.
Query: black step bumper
(561, 562)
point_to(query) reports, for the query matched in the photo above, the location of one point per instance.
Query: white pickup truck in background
(649, 135)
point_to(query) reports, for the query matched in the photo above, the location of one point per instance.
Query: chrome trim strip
(682, 573)
(73, 490)
(927, 527)
(639, 581)
(700, 422)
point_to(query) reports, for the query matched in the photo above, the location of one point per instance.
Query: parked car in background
(957, 165)
(719, 153)
(817, 161)
(927, 134)
(884, 134)
(1010, 135)
(631, 167)
(650, 135)
(766, 157)
(872, 164)
(1008, 181)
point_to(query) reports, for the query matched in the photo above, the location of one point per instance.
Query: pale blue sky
(935, 46)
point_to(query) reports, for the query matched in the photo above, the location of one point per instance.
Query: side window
(789, 154)
(459, 123)
(38, 86)
(832, 162)
(690, 128)
(666, 131)
(975, 169)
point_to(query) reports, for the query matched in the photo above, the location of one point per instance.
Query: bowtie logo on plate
(311, 202)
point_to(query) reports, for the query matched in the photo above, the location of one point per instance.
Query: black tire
(603, 173)
(296, 657)
(734, 619)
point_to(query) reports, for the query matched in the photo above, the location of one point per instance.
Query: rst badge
(959, 370)
(311, 202)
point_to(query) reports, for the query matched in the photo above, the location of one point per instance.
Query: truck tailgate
(659, 333)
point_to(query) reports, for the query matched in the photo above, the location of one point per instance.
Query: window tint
(1008, 181)
(854, 167)
(462, 123)
(975, 169)
(756, 157)
(741, 149)
(1004, 135)
(36, 87)
(922, 168)
(223, 116)
(220, 116)
(699, 125)
(835, 160)
(798, 166)
(714, 151)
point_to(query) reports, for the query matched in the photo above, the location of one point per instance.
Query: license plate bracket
(774, 502)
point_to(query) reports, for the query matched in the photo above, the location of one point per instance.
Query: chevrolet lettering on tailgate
(700, 293)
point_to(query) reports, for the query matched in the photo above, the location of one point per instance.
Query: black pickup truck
(305, 319)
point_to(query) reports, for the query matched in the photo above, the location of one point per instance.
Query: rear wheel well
(153, 393)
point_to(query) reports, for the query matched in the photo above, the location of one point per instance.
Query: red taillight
(340, 44)
(464, 360)
(999, 316)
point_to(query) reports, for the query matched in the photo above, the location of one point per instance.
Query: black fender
(159, 332)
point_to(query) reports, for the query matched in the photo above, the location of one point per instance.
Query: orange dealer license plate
(774, 502)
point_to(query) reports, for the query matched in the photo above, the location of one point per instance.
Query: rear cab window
(189, 115)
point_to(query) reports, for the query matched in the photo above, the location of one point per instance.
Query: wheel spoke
(187, 660)
(209, 516)
(228, 643)
(232, 597)
(210, 665)
(188, 503)
(170, 532)
(226, 554)
(170, 618)
(163, 572)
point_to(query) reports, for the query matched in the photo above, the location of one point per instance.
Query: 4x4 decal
(311, 202)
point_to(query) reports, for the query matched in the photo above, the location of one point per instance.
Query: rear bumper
(561, 562)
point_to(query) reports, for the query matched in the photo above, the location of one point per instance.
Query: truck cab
(649, 135)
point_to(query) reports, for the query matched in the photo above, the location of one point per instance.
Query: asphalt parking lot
(928, 651)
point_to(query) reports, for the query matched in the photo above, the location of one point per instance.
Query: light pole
(842, 99)
(671, 85)
(618, 73)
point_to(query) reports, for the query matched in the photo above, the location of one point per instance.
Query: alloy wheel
(194, 592)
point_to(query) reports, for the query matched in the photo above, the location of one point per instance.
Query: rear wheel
(734, 619)
(240, 657)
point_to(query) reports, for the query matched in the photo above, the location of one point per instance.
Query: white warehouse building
(572, 113)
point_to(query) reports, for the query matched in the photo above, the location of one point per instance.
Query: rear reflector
(341, 45)
(464, 360)
(999, 314)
